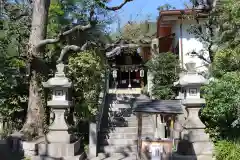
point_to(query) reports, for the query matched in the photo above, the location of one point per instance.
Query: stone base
(194, 148)
(192, 157)
(59, 149)
(29, 148)
(195, 135)
(60, 137)
(78, 157)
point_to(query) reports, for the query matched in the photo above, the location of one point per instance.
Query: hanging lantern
(114, 73)
(141, 73)
(122, 69)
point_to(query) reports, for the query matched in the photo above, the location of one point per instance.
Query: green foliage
(27, 158)
(226, 60)
(135, 31)
(86, 70)
(131, 31)
(13, 80)
(222, 103)
(227, 150)
(228, 22)
(164, 68)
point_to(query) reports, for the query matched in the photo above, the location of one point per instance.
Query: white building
(173, 35)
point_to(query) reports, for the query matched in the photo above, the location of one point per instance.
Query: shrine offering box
(156, 149)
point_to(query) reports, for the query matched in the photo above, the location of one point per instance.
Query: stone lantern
(59, 103)
(193, 129)
(60, 142)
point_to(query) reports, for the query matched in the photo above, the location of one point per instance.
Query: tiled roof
(159, 106)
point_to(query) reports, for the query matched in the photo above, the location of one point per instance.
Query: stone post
(194, 141)
(93, 138)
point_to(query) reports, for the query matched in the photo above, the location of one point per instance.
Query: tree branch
(64, 34)
(78, 27)
(118, 7)
(22, 14)
(74, 48)
(201, 56)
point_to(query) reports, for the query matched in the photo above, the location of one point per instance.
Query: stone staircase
(118, 139)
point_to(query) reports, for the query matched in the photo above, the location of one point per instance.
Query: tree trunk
(34, 120)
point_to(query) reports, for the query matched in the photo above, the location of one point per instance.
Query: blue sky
(141, 10)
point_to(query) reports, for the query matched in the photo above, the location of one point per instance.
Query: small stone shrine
(193, 139)
(60, 144)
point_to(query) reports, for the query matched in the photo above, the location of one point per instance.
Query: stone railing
(94, 127)
(102, 99)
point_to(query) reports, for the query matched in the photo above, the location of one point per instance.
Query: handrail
(102, 100)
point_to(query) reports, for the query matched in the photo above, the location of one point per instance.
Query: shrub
(227, 150)
(164, 68)
(227, 60)
(221, 110)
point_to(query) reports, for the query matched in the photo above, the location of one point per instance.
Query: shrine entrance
(127, 71)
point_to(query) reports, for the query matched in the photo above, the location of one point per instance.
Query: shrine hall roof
(159, 106)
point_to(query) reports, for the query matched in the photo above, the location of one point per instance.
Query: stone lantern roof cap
(191, 77)
(59, 80)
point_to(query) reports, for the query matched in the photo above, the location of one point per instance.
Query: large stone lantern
(60, 142)
(193, 129)
(59, 102)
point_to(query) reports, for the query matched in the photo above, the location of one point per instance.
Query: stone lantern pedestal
(193, 139)
(59, 142)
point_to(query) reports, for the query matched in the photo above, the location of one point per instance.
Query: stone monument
(59, 142)
(194, 141)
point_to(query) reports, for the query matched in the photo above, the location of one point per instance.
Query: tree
(228, 24)
(13, 74)
(221, 28)
(222, 103)
(164, 68)
(37, 42)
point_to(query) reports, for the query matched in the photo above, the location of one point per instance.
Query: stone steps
(122, 130)
(109, 149)
(115, 156)
(120, 138)
(123, 140)
(130, 124)
(127, 135)
(119, 142)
